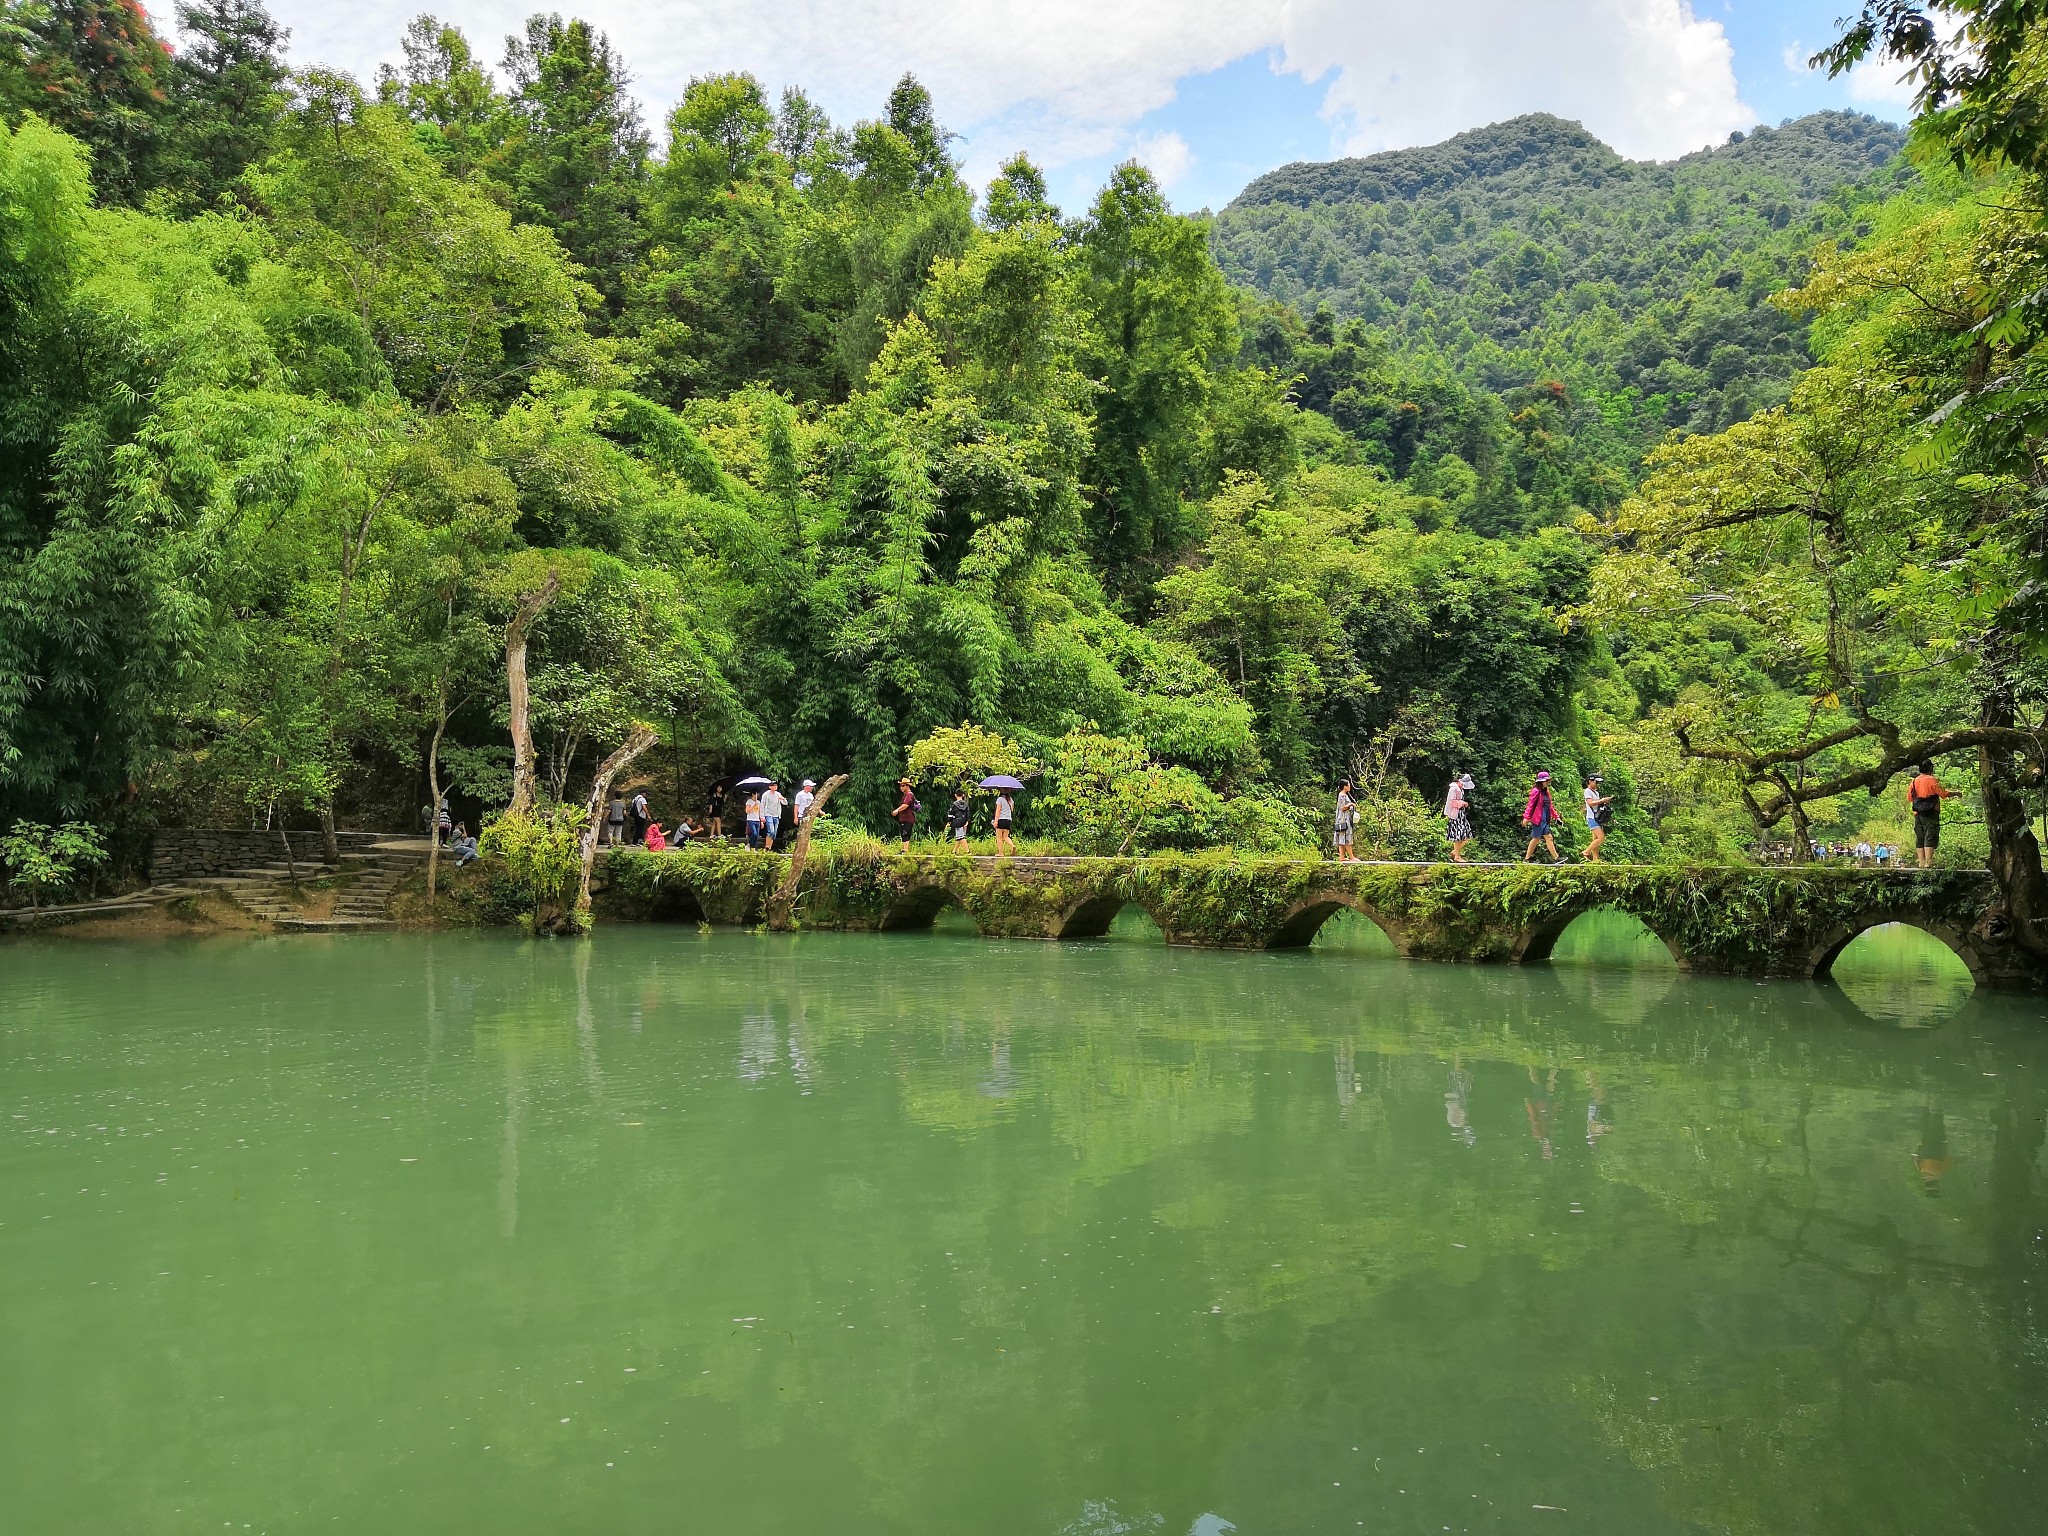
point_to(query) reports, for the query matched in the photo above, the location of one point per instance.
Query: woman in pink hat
(1540, 817)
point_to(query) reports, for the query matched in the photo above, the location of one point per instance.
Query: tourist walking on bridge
(1458, 816)
(1347, 820)
(1006, 816)
(1923, 798)
(1599, 811)
(905, 814)
(1539, 815)
(771, 814)
(714, 810)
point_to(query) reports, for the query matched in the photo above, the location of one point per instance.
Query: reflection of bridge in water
(1731, 921)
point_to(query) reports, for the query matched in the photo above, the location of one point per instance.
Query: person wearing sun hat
(907, 807)
(1540, 817)
(1597, 814)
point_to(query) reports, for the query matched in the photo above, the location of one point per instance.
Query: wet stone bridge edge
(1728, 921)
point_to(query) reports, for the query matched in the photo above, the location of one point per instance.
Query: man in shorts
(771, 814)
(1923, 798)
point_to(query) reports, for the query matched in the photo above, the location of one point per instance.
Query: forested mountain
(465, 426)
(1525, 299)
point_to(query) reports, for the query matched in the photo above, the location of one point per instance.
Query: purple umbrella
(1001, 781)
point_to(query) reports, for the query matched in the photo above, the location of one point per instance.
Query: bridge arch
(1840, 937)
(1090, 918)
(1540, 942)
(1302, 921)
(917, 908)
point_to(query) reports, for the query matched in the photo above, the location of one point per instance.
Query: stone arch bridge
(1730, 921)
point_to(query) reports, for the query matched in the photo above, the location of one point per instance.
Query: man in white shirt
(804, 797)
(771, 814)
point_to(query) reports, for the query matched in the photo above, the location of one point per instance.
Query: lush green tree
(444, 91)
(1161, 326)
(576, 158)
(97, 69)
(229, 98)
(462, 304)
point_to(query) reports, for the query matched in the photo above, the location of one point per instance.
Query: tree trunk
(434, 790)
(2015, 854)
(531, 606)
(290, 865)
(330, 845)
(637, 741)
(784, 899)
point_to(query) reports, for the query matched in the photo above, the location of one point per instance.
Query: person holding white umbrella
(1006, 807)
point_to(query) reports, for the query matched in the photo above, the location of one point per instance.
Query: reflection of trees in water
(1177, 1107)
(1900, 976)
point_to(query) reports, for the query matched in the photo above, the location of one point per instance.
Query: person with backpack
(1923, 798)
(958, 815)
(642, 819)
(905, 814)
(1539, 815)
(1599, 811)
(1458, 816)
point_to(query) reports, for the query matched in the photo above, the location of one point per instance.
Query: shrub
(542, 856)
(42, 858)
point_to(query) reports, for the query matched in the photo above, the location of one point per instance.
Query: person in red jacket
(1540, 817)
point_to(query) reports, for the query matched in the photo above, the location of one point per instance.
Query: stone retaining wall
(191, 853)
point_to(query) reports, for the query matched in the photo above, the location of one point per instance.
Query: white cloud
(1165, 155)
(1880, 83)
(1647, 76)
(1068, 79)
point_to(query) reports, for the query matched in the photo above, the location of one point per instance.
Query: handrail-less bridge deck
(1732, 921)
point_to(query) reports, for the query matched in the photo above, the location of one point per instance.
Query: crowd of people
(629, 822)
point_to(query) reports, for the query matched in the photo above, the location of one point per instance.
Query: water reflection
(1092, 1238)
(1900, 976)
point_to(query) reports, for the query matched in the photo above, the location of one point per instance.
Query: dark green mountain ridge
(1522, 298)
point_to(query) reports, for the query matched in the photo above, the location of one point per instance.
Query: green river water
(728, 1233)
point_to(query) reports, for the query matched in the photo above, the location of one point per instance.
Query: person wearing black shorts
(1923, 798)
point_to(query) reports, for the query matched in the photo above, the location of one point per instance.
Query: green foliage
(541, 855)
(97, 70)
(966, 754)
(228, 100)
(1110, 797)
(41, 859)
(575, 156)
(769, 439)
(1522, 300)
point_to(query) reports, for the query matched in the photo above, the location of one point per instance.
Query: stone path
(361, 905)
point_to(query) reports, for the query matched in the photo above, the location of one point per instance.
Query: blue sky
(1209, 93)
(1248, 117)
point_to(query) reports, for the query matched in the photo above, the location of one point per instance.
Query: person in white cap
(1458, 816)
(804, 797)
